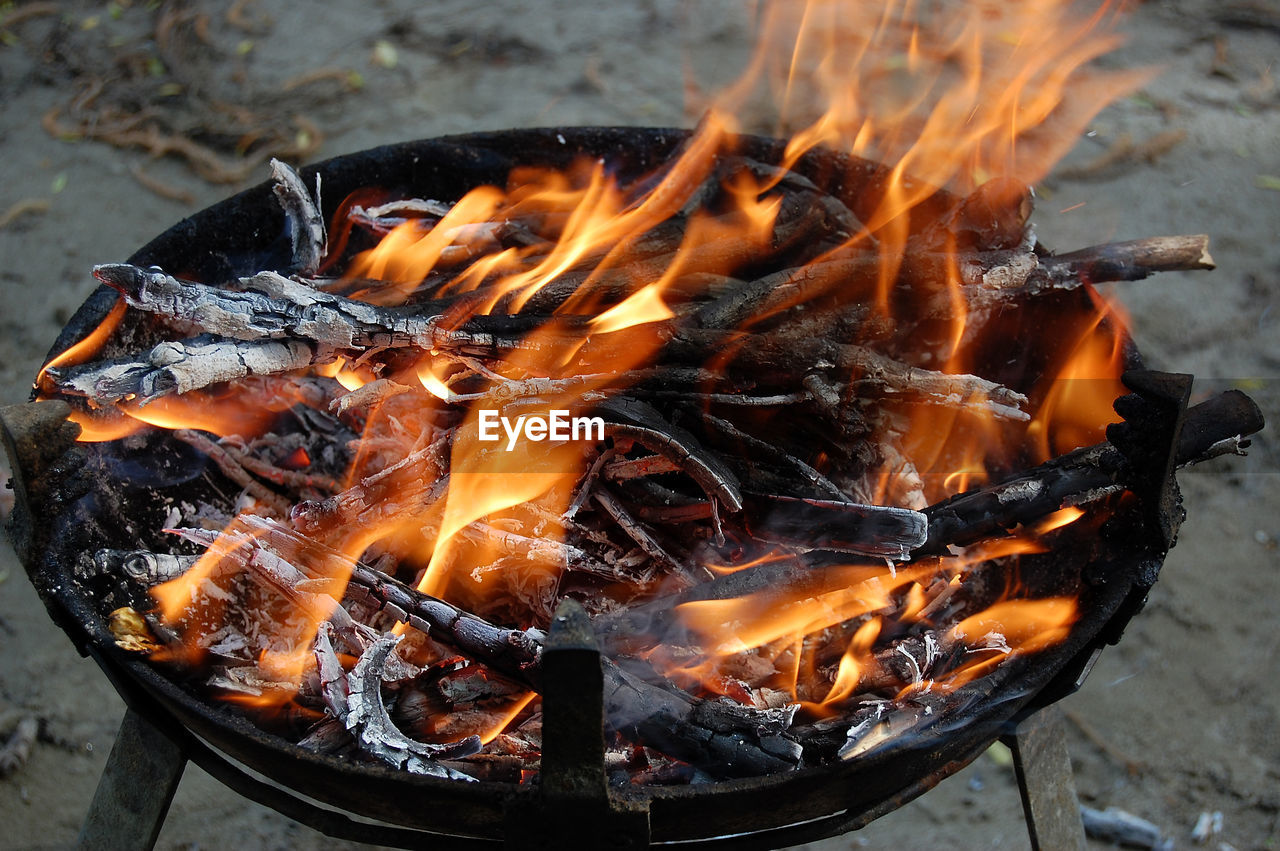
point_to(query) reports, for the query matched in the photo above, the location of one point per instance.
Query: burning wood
(776, 568)
(355, 698)
(303, 213)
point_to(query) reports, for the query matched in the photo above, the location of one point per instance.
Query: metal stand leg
(137, 785)
(1040, 757)
(574, 808)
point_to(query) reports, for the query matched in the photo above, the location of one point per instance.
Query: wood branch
(306, 224)
(179, 367)
(785, 288)
(1130, 261)
(989, 275)
(838, 526)
(725, 740)
(1014, 276)
(367, 396)
(644, 424)
(541, 550)
(799, 222)
(269, 569)
(636, 531)
(140, 566)
(789, 360)
(993, 216)
(511, 653)
(270, 306)
(357, 703)
(846, 222)
(230, 465)
(762, 449)
(413, 483)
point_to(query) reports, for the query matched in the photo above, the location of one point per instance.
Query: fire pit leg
(573, 807)
(135, 791)
(1039, 745)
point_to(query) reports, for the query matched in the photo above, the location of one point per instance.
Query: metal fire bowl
(1112, 569)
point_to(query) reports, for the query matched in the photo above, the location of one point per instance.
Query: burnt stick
(270, 306)
(1131, 261)
(230, 463)
(1083, 475)
(182, 366)
(634, 530)
(419, 480)
(295, 479)
(720, 256)
(787, 361)
(355, 699)
(835, 525)
(306, 224)
(644, 424)
(139, 566)
(725, 740)
(302, 326)
(1022, 274)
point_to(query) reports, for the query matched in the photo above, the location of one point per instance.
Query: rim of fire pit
(247, 232)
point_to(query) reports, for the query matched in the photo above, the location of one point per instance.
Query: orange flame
(1077, 407)
(87, 348)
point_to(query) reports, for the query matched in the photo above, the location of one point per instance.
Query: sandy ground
(1176, 721)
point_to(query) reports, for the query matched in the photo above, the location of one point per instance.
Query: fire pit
(757, 769)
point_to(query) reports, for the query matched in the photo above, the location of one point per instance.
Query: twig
(1076, 478)
(1124, 151)
(17, 748)
(1128, 261)
(178, 367)
(634, 530)
(234, 470)
(159, 187)
(1133, 766)
(23, 207)
(306, 224)
(640, 422)
(365, 715)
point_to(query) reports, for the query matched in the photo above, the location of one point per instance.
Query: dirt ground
(1176, 721)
